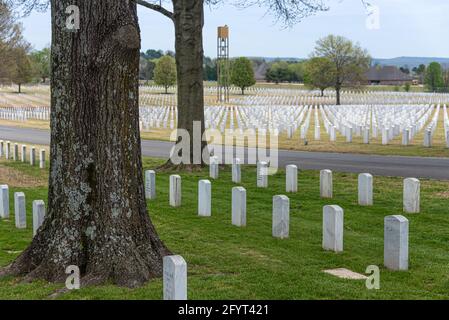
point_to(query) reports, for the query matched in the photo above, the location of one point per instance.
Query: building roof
(386, 73)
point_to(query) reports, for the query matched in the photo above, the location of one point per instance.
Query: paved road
(419, 167)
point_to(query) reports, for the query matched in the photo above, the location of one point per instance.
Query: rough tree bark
(338, 93)
(97, 217)
(188, 18)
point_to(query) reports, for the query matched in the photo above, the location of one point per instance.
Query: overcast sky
(406, 28)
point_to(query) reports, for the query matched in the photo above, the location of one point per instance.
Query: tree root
(170, 167)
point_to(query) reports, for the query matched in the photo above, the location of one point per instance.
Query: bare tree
(349, 60)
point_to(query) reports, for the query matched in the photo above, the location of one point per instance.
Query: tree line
(436, 78)
(163, 70)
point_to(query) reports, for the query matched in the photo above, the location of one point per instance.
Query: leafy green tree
(41, 63)
(407, 87)
(210, 69)
(23, 72)
(434, 77)
(242, 73)
(405, 69)
(278, 72)
(146, 68)
(319, 73)
(420, 71)
(350, 60)
(296, 71)
(165, 72)
(446, 80)
(152, 54)
(10, 38)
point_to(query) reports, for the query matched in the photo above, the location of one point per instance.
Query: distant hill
(272, 59)
(411, 62)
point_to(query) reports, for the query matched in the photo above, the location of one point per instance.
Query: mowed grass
(227, 262)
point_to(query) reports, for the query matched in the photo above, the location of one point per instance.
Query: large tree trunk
(97, 217)
(189, 21)
(338, 93)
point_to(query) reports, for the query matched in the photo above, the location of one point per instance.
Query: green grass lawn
(227, 262)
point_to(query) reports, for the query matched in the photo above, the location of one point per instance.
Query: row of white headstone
(396, 236)
(411, 190)
(368, 122)
(157, 117)
(396, 227)
(20, 209)
(259, 95)
(411, 186)
(293, 96)
(446, 125)
(25, 113)
(385, 121)
(5, 151)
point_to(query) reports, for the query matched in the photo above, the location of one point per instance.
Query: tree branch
(156, 8)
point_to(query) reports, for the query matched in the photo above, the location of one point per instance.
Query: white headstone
(385, 134)
(427, 138)
(204, 198)
(412, 190)
(213, 167)
(239, 206)
(333, 134)
(20, 210)
(150, 184)
(291, 178)
(365, 189)
(42, 159)
(317, 133)
(290, 132)
(349, 134)
(396, 242)
(15, 154)
(281, 216)
(175, 190)
(366, 136)
(175, 278)
(236, 171)
(262, 174)
(38, 215)
(333, 228)
(8, 150)
(32, 156)
(24, 153)
(326, 184)
(405, 137)
(4, 201)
